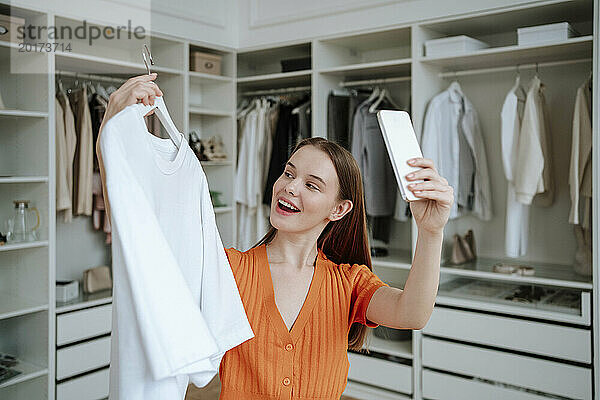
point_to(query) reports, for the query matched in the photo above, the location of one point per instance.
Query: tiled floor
(211, 391)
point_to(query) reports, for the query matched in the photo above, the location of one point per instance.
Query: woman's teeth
(287, 206)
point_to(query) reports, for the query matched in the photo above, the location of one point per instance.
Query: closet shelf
(24, 179)
(85, 300)
(296, 78)
(384, 69)
(400, 259)
(208, 78)
(27, 245)
(100, 65)
(28, 371)
(206, 111)
(4, 43)
(22, 113)
(545, 274)
(390, 347)
(12, 305)
(579, 47)
(215, 163)
(221, 210)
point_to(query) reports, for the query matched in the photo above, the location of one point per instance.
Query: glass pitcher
(21, 227)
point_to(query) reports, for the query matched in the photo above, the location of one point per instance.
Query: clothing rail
(375, 81)
(277, 91)
(452, 74)
(91, 77)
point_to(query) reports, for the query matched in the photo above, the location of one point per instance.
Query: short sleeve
(234, 257)
(364, 284)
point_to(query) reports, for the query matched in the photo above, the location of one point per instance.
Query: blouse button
(289, 347)
(286, 381)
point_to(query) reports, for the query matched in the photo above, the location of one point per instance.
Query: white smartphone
(402, 145)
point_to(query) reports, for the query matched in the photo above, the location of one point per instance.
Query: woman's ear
(340, 210)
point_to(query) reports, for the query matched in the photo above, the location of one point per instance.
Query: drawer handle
(208, 65)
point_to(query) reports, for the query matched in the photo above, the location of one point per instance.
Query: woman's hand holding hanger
(139, 89)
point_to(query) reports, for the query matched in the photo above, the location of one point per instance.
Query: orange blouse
(309, 361)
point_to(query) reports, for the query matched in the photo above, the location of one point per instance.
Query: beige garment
(63, 200)
(533, 175)
(580, 173)
(66, 121)
(84, 156)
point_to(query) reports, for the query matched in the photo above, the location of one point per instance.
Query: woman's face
(310, 183)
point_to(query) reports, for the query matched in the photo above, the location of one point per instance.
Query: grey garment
(355, 101)
(337, 120)
(466, 161)
(368, 147)
(304, 121)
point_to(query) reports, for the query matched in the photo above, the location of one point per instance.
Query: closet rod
(452, 74)
(92, 77)
(277, 91)
(375, 81)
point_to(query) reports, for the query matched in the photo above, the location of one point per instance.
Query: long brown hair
(344, 241)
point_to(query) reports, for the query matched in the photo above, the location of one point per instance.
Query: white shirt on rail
(176, 306)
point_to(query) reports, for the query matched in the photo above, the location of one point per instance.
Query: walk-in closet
(503, 96)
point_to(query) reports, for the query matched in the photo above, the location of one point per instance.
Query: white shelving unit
(207, 104)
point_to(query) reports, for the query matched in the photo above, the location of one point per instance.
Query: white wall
(210, 21)
(263, 22)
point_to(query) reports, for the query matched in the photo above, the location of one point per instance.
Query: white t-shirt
(176, 306)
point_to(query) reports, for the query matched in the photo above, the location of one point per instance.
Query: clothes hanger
(297, 109)
(161, 108)
(518, 87)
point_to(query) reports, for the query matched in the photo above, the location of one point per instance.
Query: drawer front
(83, 324)
(82, 357)
(527, 372)
(93, 386)
(381, 373)
(440, 386)
(510, 333)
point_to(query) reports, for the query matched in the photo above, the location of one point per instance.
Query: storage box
(452, 46)
(296, 64)
(545, 33)
(66, 290)
(205, 62)
(8, 28)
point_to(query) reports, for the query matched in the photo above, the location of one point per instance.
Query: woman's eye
(287, 174)
(310, 185)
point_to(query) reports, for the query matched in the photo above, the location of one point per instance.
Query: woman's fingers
(421, 162)
(428, 185)
(443, 197)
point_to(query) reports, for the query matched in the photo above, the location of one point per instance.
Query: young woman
(307, 286)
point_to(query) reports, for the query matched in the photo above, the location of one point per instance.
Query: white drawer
(440, 386)
(382, 373)
(83, 324)
(527, 372)
(510, 333)
(73, 360)
(93, 386)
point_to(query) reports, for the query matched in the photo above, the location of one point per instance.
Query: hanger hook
(518, 70)
(537, 68)
(146, 50)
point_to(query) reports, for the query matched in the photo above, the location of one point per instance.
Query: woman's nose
(291, 187)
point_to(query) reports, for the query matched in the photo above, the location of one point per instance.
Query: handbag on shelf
(96, 279)
(463, 248)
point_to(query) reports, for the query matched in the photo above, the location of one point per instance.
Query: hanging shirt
(533, 175)
(65, 123)
(369, 150)
(517, 214)
(580, 181)
(84, 155)
(440, 142)
(63, 197)
(580, 170)
(310, 361)
(176, 307)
